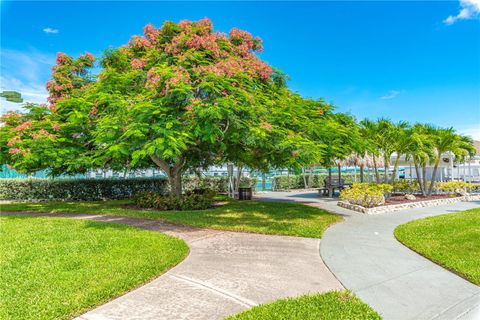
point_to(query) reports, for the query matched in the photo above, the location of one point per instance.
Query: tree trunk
(419, 178)
(175, 179)
(264, 181)
(394, 173)
(386, 166)
(304, 175)
(174, 173)
(239, 176)
(377, 176)
(288, 179)
(434, 176)
(330, 193)
(424, 178)
(339, 173)
(310, 177)
(361, 173)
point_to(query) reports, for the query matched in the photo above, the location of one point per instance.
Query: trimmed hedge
(296, 181)
(218, 184)
(102, 189)
(77, 189)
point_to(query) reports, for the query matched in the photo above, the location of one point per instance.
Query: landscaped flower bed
(374, 198)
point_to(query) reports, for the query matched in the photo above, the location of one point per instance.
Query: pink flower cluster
(41, 133)
(23, 126)
(55, 126)
(208, 42)
(266, 125)
(15, 151)
(12, 115)
(151, 33)
(180, 76)
(185, 25)
(204, 26)
(93, 112)
(233, 67)
(140, 43)
(13, 141)
(88, 56)
(153, 79)
(138, 64)
(244, 42)
(62, 58)
(54, 86)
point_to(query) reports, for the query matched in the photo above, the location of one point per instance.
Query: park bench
(330, 184)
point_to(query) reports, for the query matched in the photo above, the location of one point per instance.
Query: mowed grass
(57, 268)
(279, 218)
(338, 305)
(451, 240)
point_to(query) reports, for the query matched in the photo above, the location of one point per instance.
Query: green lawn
(54, 268)
(338, 305)
(247, 216)
(451, 240)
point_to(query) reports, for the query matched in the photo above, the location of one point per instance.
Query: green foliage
(165, 202)
(12, 96)
(279, 218)
(285, 182)
(54, 268)
(77, 189)
(367, 195)
(450, 187)
(101, 189)
(406, 186)
(338, 305)
(218, 184)
(179, 97)
(450, 240)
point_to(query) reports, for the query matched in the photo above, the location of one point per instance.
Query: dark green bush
(101, 189)
(219, 184)
(285, 182)
(188, 201)
(78, 189)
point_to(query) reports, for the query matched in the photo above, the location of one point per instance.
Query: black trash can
(245, 193)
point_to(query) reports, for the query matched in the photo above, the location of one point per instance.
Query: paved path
(225, 273)
(400, 284)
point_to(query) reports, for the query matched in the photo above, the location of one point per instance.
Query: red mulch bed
(399, 199)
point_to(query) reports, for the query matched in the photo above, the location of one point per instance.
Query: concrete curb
(403, 206)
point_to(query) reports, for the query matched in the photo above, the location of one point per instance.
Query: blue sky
(414, 61)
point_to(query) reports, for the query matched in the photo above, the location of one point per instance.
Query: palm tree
(382, 137)
(401, 144)
(369, 132)
(446, 140)
(420, 151)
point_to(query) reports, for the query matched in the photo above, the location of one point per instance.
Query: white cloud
(50, 30)
(24, 72)
(390, 95)
(473, 131)
(469, 10)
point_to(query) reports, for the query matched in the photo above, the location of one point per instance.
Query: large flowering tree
(179, 97)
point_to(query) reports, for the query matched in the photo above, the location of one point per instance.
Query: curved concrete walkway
(225, 273)
(364, 255)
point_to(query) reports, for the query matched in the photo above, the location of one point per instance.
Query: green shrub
(450, 187)
(367, 195)
(77, 189)
(164, 202)
(285, 182)
(101, 189)
(219, 184)
(406, 186)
